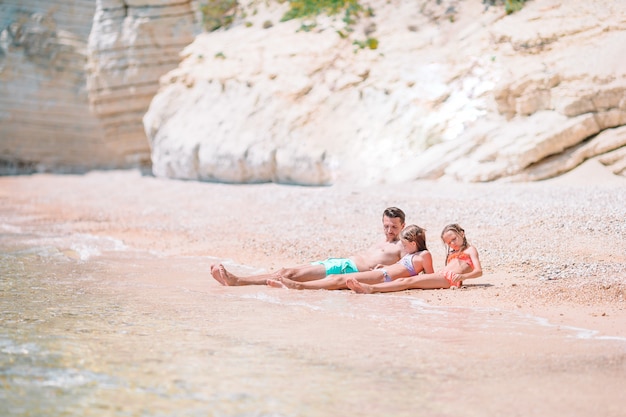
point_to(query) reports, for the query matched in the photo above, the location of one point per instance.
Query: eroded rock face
(131, 44)
(77, 76)
(454, 89)
(45, 121)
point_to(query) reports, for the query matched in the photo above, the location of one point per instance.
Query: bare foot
(215, 273)
(225, 276)
(358, 287)
(275, 283)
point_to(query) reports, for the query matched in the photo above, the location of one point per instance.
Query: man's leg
(298, 273)
(302, 273)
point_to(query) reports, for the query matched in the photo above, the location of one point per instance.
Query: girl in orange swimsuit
(460, 257)
(462, 263)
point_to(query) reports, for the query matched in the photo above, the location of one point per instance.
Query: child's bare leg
(392, 286)
(277, 283)
(281, 282)
(331, 282)
(425, 282)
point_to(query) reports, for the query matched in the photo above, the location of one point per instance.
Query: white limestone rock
(453, 90)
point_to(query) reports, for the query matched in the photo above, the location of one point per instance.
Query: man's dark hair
(394, 212)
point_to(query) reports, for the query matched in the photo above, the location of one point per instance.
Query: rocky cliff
(416, 89)
(45, 121)
(131, 44)
(454, 88)
(76, 77)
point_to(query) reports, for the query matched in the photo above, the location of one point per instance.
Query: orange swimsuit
(461, 256)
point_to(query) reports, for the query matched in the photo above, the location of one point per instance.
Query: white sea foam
(10, 228)
(84, 246)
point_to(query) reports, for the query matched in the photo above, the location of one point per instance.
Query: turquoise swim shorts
(337, 266)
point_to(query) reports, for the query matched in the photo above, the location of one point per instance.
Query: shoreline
(550, 249)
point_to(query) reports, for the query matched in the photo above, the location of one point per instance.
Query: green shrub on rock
(218, 13)
(310, 8)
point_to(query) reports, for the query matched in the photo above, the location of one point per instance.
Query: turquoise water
(92, 328)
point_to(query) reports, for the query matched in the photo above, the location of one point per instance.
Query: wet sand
(116, 266)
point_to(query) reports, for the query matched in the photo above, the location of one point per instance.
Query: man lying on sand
(383, 253)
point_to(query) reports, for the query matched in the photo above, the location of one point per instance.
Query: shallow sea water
(92, 328)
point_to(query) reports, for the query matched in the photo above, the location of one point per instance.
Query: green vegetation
(310, 8)
(222, 13)
(218, 13)
(371, 43)
(511, 6)
(352, 10)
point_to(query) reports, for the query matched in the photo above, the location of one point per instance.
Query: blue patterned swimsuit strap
(386, 276)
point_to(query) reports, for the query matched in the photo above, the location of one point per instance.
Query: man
(382, 253)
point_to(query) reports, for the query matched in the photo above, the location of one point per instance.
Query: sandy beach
(553, 248)
(109, 271)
